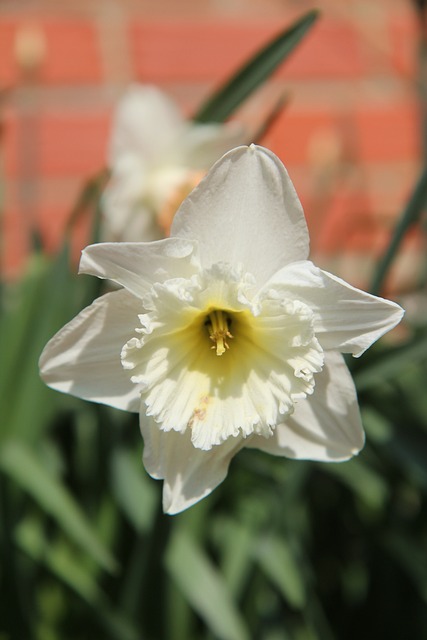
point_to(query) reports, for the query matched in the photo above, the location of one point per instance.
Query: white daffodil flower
(156, 158)
(224, 335)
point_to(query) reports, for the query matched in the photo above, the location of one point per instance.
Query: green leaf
(376, 425)
(276, 559)
(411, 557)
(236, 563)
(223, 103)
(21, 464)
(204, 587)
(87, 200)
(20, 304)
(391, 364)
(70, 569)
(271, 117)
(133, 491)
(366, 484)
(58, 557)
(34, 310)
(410, 216)
(409, 448)
(179, 615)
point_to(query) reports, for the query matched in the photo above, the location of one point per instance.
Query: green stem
(254, 72)
(410, 216)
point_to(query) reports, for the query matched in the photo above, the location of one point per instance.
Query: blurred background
(350, 136)
(282, 550)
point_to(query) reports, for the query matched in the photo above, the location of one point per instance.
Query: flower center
(218, 325)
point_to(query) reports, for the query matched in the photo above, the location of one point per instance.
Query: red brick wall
(350, 136)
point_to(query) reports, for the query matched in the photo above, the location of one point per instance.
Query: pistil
(218, 326)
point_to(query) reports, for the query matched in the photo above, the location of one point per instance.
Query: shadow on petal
(83, 358)
(325, 426)
(189, 474)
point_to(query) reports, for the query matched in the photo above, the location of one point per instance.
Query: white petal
(137, 265)
(347, 319)
(246, 211)
(325, 426)
(144, 123)
(83, 358)
(270, 360)
(189, 474)
(127, 218)
(134, 222)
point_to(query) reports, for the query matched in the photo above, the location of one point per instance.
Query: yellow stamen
(218, 327)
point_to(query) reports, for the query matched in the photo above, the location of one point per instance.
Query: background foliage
(282, 550)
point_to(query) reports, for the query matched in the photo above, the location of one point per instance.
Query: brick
(404, 39)
(52, 223)
(16, 243)
(10, 142)
(333, 49)
(56, 198)
(387, 132)
(389, 187)
(345, 78)
(69, 143)
(72, 51)
(295, 130)
(348, 223)
(188, 9)
(206, 51)
(8, 66)
(49, 212)
(197, 51)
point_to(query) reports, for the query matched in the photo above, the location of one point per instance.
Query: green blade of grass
(391, 364)
(226, 100)
(410, 216)
(133, 490)
(190, 568)
(69, 569)
(277, 561)
(23, 467)
(59, 557)
(43, 301)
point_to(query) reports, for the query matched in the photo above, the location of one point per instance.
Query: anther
(218, 326)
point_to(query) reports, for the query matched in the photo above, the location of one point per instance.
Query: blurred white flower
(223, 335)
(156, 158)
